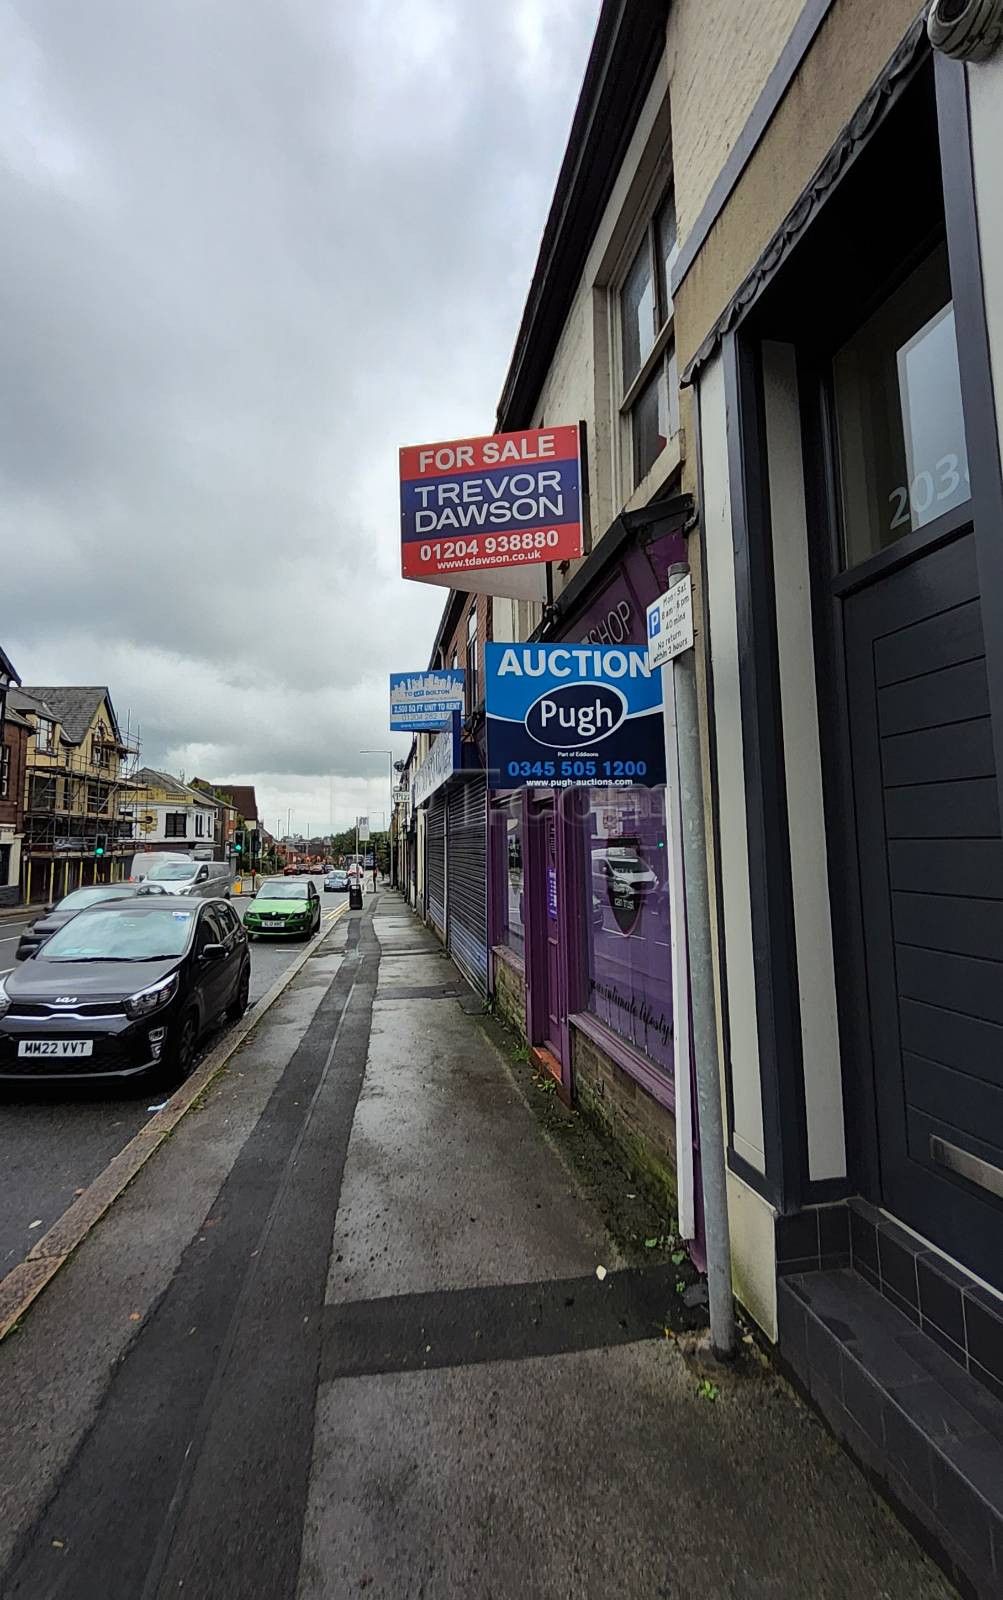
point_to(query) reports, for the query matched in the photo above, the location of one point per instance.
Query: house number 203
(926, 489)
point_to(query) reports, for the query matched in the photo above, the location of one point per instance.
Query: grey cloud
(250, 248)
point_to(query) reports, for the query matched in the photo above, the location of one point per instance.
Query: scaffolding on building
(80, 817)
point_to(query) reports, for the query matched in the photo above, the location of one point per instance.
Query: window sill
(501, 952)
(666, 464)
(627, 1059)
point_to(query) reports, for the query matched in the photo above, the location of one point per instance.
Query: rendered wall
(848, 54)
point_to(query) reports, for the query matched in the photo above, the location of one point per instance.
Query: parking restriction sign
(670, 624)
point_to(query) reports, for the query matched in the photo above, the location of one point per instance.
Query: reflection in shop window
(629, 970)
(901, 431)
(507, 818)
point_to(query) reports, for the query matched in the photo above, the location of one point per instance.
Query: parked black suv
(125, 989)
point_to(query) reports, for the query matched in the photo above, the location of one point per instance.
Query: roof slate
(22, 700)
(74, 707)
(167, 780)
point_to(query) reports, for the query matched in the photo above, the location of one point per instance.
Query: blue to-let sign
(423, 701)
(563, 715)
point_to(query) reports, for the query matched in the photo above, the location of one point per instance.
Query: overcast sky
(250, 248)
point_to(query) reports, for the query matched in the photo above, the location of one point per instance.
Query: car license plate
(276, 924)
(55, 1047)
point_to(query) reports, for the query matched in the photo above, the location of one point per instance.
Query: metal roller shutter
(435, 860)
(466, 846)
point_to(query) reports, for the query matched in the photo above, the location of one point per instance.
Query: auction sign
(421, 702)
(473, 505)
(567, 715)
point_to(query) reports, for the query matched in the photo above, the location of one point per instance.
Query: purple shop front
(595, 903)
(590, 886)
(620, 967)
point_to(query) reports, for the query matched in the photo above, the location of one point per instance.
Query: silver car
(204, 879)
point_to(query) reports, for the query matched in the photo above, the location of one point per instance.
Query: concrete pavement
(344, 1335)
(54, 1141)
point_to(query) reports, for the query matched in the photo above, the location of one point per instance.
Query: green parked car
(283, 906)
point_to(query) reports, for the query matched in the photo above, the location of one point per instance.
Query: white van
(205, 879)
(144, 861)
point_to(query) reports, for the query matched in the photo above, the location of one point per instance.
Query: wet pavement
(345, 1335)
(55, 1140)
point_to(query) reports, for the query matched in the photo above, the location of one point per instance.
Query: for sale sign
(561, 715)
(481, 505)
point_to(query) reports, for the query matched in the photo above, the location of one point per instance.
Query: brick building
(14, 734)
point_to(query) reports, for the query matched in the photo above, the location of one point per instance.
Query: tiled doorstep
(925, 1429)
(960, 1315)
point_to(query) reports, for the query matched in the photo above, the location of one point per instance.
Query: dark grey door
(931, 880)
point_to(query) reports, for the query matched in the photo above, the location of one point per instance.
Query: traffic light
(99, 844)
(238, 841)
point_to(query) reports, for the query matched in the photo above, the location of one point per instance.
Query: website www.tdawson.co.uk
(513, 558)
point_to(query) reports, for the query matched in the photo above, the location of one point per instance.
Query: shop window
(509, 842)
(903, 460)
(629, 972)
(649, 378)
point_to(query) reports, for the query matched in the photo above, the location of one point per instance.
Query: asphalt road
(54, 1142)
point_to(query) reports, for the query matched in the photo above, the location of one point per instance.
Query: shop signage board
(670, 623)
(422, 702)
(488, 514)
(439, 765)
(401, 795)
(572, 715)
